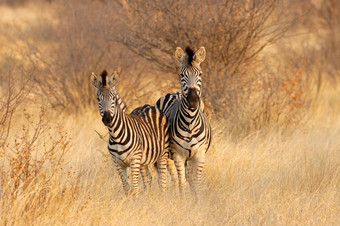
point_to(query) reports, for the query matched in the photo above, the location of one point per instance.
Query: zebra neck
(118, 127)
(189, 115)
(120, 101)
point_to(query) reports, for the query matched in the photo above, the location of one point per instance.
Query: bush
(234, 34)
(32, 170)
(139, 39)
(271, 97)
(66, 48)
(319, 39)
(16, 85)
(32, 153)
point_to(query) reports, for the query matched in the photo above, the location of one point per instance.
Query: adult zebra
(190, 132)
(137, 139)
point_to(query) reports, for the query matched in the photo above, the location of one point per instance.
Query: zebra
(137, 139)
(190, 131)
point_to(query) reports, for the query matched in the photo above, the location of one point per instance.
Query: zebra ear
(95, 80)
(199, 55)
(180, 55)
(113, 79)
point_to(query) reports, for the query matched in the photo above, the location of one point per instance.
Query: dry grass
(55, 169)
(272, 177)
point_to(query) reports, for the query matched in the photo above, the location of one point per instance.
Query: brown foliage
(33, 162)
(16, 84)
(32, 153)
(67, 48)
(321, 43)
(274, 96)
(139, 39)
(233, 32)
(326, 22)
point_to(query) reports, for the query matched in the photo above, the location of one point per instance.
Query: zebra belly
(121, 153)
(188, 149)
(127, 159)
(151, 155)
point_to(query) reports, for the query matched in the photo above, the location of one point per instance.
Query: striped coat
(137, 139)
(190, 131)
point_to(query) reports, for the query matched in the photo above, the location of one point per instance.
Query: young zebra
(137, 139)
(190, 132)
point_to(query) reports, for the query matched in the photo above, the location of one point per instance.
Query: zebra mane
(190, 54)
(104, 75)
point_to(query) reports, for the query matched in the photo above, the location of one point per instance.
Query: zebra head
(106, 94)
(190, 74)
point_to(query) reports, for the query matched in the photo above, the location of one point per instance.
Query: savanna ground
(270, 86)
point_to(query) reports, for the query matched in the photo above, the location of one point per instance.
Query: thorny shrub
(233, 32)
(32, 152)
(67, 48)
(16, 84)
(272, 97)
(32, 170)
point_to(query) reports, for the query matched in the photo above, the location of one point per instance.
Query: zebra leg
(187, 169)
(122, 171)
(173, 172)
(135, 166)
(197, 164)
(189, 172)
(162, 163)
(146, 176)
(179, 163)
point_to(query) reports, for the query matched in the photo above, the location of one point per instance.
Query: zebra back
(151, 114)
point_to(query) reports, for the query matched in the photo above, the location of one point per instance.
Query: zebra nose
(107, 118)
(192, 98)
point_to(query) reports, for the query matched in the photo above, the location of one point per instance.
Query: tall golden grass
(261, 169)
(269, 177)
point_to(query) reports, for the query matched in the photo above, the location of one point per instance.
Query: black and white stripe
(137, 139)
(190, 132)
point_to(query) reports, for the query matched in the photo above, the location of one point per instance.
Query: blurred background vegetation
(254, 74)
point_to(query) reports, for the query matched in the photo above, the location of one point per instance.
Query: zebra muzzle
(192, 98)
(107, 118)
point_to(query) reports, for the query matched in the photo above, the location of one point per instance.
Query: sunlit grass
(275, 177)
